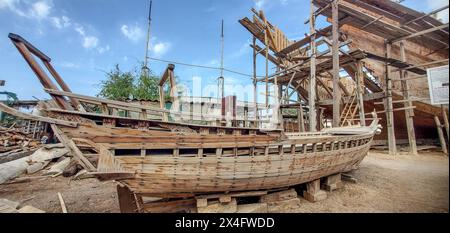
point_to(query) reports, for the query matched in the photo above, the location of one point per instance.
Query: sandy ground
(402, 183)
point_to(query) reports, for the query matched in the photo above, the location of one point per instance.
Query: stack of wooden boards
(14, 141)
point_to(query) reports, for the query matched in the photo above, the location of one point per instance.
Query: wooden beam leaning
(441, 135)
(75, 103)
(78, 155)
(445, 116)
(42, 76)
(335, 53)
(409, 114)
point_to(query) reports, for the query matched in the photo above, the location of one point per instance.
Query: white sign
(438, 84)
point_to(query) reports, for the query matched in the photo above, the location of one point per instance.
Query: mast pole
(145, 67)
(221, 84)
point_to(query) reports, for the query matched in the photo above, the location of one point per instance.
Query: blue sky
(86, 38)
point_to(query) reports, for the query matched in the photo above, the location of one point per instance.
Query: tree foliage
(128, 85)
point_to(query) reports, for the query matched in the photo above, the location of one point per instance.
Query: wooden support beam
(301, 116)
(255, 81)
(409, 113)
(389, 105)
(336, 67)
(445, 116)
(441, 135)
(420, 33)
(312, 77)
(360, 92)
(313, 192)
(425, 15)
(78, 155)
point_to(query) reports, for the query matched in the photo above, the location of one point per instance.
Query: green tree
(147, 88)
(124, 86)
(118, 85)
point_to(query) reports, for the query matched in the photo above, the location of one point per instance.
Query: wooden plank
(61, 201)
(127, 200)
(25, 116)
(71, 145)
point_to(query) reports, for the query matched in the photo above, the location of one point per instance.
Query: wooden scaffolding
(382, 46)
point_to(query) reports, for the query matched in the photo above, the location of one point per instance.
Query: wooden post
(312, 80)
(313, 192)
(255, 82)
(409, 113)
(301, 116)
(267, 68)
(162, 102)
(336, 76)
(360, 92)
(441, 135)
(389, 106)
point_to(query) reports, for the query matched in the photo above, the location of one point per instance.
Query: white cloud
(7, 3)
(37, 10)
(61, 22)
(80, 30)
(103, 49)
(134, 33)
(259, 4)
(160, 48)
(40, 10)
(90, 42)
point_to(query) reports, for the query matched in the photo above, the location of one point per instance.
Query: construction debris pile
(51, 159)
(13, 140)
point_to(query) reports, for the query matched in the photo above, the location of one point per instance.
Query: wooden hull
(173, 160)
(219, 163)
(184, 175)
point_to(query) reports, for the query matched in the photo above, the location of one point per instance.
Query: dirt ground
(403, 183)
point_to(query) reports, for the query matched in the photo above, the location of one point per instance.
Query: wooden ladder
(349, 111)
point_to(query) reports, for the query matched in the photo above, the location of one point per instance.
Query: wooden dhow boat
(158, 157)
